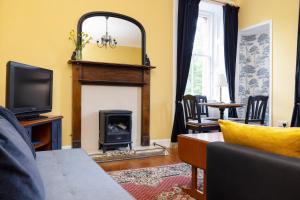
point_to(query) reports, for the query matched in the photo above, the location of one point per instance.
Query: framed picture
(254, 65)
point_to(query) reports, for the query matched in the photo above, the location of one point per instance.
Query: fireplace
(111, 74)
(115, 128)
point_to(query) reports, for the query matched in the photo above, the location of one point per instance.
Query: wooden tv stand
(45, 133)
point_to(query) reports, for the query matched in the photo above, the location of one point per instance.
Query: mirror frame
(116, 15)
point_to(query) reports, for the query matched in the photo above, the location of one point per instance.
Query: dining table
(222, 106)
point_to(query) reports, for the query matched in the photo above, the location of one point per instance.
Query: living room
(162, 76)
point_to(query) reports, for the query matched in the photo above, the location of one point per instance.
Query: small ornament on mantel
(73, 57)
(147, 61)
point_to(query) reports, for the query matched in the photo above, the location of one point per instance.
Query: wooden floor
(172, 158)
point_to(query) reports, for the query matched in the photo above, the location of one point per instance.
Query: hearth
(115, 127)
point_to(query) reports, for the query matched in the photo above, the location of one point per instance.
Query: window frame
(210, 55)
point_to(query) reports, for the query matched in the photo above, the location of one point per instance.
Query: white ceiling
(125, 32)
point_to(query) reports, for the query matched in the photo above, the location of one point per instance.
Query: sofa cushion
(19, 176)
(283, 141)
(73, 175)
(11, 118)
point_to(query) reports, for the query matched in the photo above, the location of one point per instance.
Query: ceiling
(125, 32)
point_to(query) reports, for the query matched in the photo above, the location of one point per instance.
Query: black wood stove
(115, 127)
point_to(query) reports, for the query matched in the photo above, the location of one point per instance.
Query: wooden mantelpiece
(99, 73)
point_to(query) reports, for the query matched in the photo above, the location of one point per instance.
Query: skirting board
(66, 147)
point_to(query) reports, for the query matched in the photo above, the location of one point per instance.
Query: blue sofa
(72, 174)
(52, 175)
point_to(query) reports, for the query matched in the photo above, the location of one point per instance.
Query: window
(199, 76)
(208, 54)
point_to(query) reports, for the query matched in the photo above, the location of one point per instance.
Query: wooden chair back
(256, 109)
(203, 109)
(190, 108)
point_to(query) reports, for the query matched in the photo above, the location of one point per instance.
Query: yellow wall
(120, 54)
(36, 32)
(284, 15)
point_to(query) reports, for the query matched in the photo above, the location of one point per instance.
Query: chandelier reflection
(107, 40)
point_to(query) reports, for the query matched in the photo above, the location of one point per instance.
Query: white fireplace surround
(95, 98)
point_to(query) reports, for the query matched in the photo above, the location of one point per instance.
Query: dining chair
(256, 110)
(193, 118)
(203, 109)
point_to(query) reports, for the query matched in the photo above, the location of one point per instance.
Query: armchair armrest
(239, 173)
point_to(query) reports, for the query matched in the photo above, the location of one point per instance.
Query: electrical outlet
(282, 123)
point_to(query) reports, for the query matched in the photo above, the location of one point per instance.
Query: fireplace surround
(111, 74)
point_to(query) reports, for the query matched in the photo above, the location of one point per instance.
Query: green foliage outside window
(199, 58)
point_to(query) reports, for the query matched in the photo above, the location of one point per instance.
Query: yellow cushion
(283, 141)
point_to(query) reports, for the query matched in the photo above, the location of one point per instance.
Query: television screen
(29, 89)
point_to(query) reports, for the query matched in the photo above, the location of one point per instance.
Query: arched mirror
(116, 38)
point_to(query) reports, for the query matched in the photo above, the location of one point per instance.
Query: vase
(78, 55)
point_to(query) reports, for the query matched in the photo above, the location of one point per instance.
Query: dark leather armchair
(239, 173)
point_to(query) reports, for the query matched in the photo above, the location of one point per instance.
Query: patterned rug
(157, 183)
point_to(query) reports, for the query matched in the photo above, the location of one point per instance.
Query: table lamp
(222, 82)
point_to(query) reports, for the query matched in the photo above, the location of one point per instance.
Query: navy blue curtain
(230, 14)
(296, 113)
(187, 23)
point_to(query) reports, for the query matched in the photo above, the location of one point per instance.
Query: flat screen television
(28, 90)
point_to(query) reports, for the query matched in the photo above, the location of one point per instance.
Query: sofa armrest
(239, 173)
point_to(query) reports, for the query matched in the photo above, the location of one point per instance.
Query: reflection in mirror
(115, 40)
